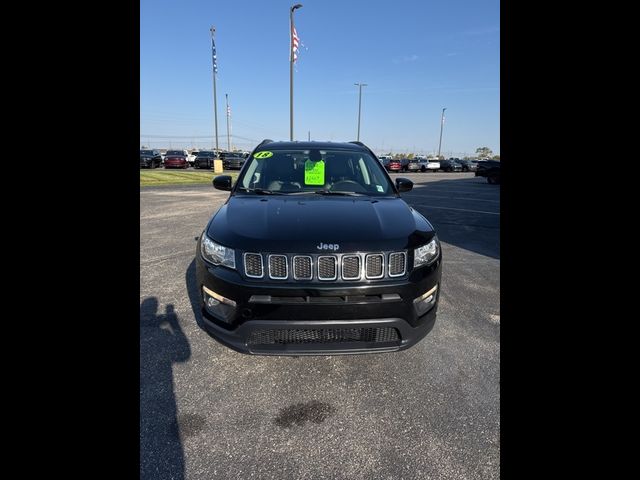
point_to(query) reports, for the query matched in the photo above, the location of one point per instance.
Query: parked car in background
(450, 166)
(413, 165)
(468, 165)
(489, 169)
(394, 165)
(429, 165)
(176, 159)
(191, 157)
(150, 159)
(233, 161)
(204, 159)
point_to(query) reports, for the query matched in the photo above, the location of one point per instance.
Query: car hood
(301, 225)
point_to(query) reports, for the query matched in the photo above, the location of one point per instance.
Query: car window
(290, 171)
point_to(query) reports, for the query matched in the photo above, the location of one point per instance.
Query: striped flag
(229, 110)
(213, 55)
(294, 44)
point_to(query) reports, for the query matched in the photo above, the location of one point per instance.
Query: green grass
(149, 178)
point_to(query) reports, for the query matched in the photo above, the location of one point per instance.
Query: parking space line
(168, 257)
(459, 209)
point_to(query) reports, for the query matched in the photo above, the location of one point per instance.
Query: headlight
(217, 254)
(426, 254)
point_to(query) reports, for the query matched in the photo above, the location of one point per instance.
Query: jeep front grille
(347, 267)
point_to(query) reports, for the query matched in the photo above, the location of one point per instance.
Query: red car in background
(394, 166)
(176, 159)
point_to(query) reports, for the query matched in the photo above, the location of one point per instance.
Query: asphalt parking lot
(432, 411)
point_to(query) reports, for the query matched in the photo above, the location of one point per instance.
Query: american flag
(294, 45)
(213, 55)
(229, 110)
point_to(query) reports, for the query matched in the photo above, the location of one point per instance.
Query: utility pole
(215, 97)
(441, 125)
(309, 136)
(292, 59)
(360, 85)
(228, 123)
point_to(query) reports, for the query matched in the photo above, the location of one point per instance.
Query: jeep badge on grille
(328, 246)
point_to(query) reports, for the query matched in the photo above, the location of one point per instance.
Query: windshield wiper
(338, 192)
(260, 191)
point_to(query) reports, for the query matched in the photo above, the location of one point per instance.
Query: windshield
(205, 154)
(175, 152)
(314, 171)
(146, 152)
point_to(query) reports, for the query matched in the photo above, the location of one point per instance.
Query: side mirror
(404, 184)
(222, 182)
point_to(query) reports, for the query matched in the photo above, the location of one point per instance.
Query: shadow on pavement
(162, 343)
(192, 291)
(465, 212)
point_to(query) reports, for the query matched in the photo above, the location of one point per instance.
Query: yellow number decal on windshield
(263, 154)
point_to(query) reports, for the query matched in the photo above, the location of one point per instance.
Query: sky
(416, 57)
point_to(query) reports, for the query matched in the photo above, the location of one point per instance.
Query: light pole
(360, 85)
(441, 125)
(294, 43)
(226, 96)
(215, 97)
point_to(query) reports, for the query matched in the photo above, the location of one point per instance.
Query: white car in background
(191, 157)
(429, 165)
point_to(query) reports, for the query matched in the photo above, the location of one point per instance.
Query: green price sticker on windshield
(263, 154)
(314, 172)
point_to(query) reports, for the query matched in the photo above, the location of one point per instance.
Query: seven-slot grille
(346, 267)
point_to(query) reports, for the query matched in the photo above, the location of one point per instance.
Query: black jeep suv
(315, 252)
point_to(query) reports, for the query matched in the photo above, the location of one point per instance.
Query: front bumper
(321, 319)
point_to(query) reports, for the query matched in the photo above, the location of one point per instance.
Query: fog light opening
(220, 307)
(212, 296)
(426, 301)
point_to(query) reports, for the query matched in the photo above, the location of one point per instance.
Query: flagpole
(291, 27)
(215, 96)
(441, 125)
